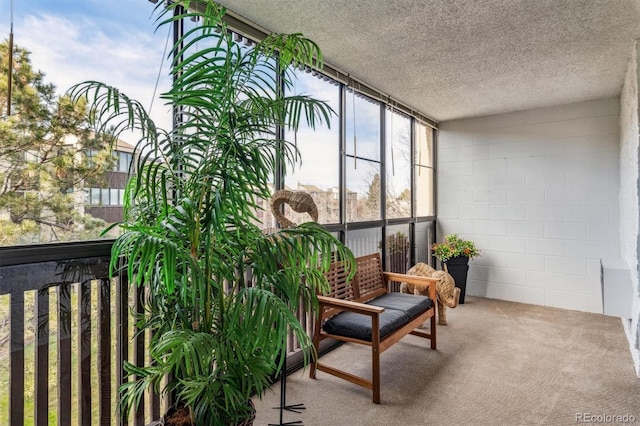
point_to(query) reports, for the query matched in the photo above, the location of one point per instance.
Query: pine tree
(48, 154)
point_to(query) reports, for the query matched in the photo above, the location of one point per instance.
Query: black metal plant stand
(294, 408)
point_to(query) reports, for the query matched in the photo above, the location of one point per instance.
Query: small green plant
(454, 246)
(395, 243)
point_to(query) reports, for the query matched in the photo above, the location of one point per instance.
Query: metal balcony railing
(66, 330)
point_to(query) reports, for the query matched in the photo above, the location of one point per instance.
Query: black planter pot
(458, 268)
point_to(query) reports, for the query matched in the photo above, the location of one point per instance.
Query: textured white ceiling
(452, 59)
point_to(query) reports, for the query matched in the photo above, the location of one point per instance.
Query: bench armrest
(413, 279)
(348, 305)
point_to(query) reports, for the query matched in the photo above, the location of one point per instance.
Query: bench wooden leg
(375, 364)
(375, 358)
(433, 332)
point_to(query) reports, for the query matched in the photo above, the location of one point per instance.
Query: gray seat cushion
(411, 304)
(399, 309)
(358, 326)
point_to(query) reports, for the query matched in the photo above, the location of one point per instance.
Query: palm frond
(293, 50)
(111, 110)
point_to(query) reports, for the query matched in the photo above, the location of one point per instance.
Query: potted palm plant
(220, 292)
(454, 253)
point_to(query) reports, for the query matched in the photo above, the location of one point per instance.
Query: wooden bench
(363, 311)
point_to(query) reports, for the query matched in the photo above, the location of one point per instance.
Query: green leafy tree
(372, 202)
(47, 156)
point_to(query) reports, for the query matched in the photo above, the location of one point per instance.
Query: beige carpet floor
(497, 363)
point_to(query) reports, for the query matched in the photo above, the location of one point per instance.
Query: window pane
(363, 184)
(318, 171)
(425, 203)
(425, 237)
(104, 197)
(424, 145)
(362, 118)
(95, 196)
(398, 165)
(72, 41)
(397, 249)
(124, 161)
(362, 126)
(113, 197)
(424, 191)
(363, 241)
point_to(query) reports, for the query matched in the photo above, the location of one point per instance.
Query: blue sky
(136, 11)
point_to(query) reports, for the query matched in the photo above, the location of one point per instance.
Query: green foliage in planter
(395, 243)
(221, 293)
(454, 246)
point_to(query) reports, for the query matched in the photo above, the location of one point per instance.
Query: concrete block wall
(537, 191)
(629, 203)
